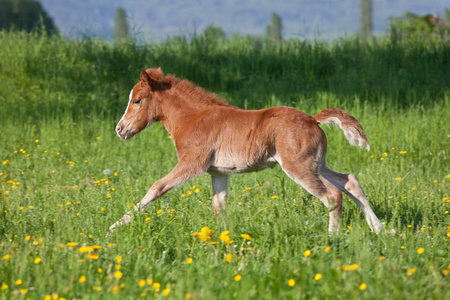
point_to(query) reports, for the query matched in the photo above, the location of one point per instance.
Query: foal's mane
(187, 89)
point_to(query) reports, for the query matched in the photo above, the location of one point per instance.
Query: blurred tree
(447, 16)
(120, 25)
(366, 19)
(28, 15)
(419, 25)
(214, 33)
(274, 29)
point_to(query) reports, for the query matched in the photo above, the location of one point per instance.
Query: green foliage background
(66, 177)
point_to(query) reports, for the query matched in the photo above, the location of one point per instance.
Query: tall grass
(65, 176)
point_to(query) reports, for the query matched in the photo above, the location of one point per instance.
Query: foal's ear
(144, 77)
(158, 74)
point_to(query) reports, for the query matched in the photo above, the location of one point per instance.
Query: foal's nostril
(118, 128)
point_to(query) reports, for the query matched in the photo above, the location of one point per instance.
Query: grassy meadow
(65, 177)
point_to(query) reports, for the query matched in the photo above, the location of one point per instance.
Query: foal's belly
(233, 167)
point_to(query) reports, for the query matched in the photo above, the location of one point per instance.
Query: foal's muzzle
(124, 134)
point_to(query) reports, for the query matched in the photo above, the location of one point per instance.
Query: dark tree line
(28, 15)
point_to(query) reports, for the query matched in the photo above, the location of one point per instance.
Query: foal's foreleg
(184, 171)
(220, 192)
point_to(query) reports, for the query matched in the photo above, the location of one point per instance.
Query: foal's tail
(352, 129)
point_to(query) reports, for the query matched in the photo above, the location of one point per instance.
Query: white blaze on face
(129, 101)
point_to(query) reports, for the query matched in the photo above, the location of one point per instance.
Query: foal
(211, 136)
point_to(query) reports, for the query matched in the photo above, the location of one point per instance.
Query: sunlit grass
(65, 178)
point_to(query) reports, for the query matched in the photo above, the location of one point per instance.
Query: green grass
(61, 100)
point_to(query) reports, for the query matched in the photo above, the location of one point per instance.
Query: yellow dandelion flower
(420, 250)
(7, 256)
(119, 258)
(116, 288)
(411, 271)
(274, 197)
(118, 274)
(445, 272)
(18, 282)
(27, 238)
(82, 279)
(189, 260)
(93, 256)
(353, 267)
(318, 276)
(291, 282)
(197, 190)
(189, 192)
(385, 154)
(246, 236)
(4, 287)
(48, 297)
(37, 260)
(156, 285)
(85, 249)
(224, 236)
(99, 270)
(165, 292)
(117, 267)
(228, 257)
(23, 291)
(98, 138)
(141, 283)
(149, 281)
(327, 249)
(307, 253)
(398, 178)
(237, 277)
(362, 286)
(72, 244)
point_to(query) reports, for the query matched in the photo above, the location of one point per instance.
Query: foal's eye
(137, 101)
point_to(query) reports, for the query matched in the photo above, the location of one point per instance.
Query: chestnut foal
(211, 136)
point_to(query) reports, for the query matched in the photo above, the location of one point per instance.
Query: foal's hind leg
(306, 174)
(348, 183)
(334, 197)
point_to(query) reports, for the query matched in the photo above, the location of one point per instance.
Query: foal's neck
(175, 110)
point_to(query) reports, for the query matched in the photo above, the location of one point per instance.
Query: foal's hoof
(109, 234)
(377, 228)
